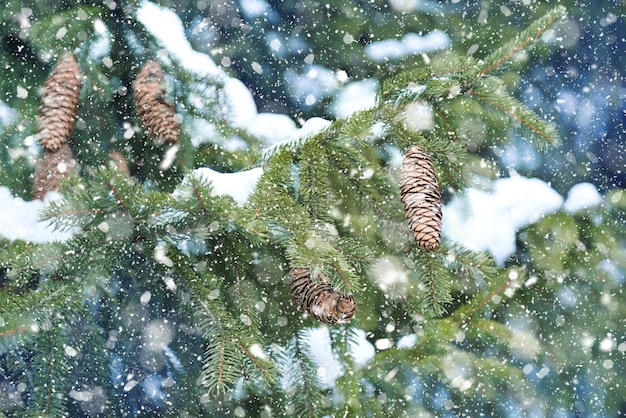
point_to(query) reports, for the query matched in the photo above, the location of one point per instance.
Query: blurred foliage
(544, 336)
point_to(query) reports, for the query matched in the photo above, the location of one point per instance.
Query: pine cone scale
(59, 103)
(320, 300)
(53, 168)
(156, 113)
(420, 194)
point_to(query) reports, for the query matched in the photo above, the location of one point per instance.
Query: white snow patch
(407, 341)
(389, 274)
(310, 128)
(355, 96)
(488, 220)
(167, 28)
(582, 196)
(165, 25)
(361, 350)
(7, 114)
(418, 116)
(130, 385)
(315, 83)
(157, 335)
(272, 127)
(410, 44)
(237, 185)
(81, 395)
(254, 8)
(20, 219)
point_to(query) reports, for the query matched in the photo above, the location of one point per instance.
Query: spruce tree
(175, 298)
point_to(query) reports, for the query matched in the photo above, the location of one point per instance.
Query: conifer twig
(507, 51)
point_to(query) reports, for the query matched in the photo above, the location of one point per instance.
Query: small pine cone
(421, 197)
(59, 103)
(118, 162)
(155, 111)
(320, 299)
(52, 168)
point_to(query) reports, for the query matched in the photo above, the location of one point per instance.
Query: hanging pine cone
(320, 299)
(421, 197)
(52, 168)
(156, 112)
(119, 162)
(59, 103)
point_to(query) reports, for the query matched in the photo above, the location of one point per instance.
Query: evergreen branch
(433, 283)
(302, 385)
(460, 260)
(245, 296)
(271, 188)
(323, 258)
(370, 184)
(71, 212)
(482, 299)
(82, 255)
(491, 91)
(415, 83)
(292, 144)
(313, 180)
(507, 51)
(226, 355)
(357, 255)
(85, 206)
(49, 396)
(264, 367)
(446, 123)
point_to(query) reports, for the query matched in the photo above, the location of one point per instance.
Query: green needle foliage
(171, 299)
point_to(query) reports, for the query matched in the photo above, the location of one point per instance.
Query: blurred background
(307, 58)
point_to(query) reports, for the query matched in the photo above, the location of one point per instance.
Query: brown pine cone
(52, 168)
(119, 162)
(421, 197)
(320, 299)
(155, 111)
(59, 103)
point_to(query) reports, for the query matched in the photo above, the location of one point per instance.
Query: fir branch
(227, 356)
(415, 83)
(299, 375)
(491, 91)
(460, 260)
(73, 211)
(106, 193)
(313, 180)
(295, 143)
(357, 255)
(483, 298)
(271, 188)
(49, 394)
(83, 255)
(309, 249)
(358, 127)
(507, 51)
(370, 184)
(222, 362)
(244, 295)
(432, 283)
(27, 313)
(261, 365)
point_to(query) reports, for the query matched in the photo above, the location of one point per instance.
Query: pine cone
(155, 111)
(59, 103)
(119, 162)
(320, 299)
(52, 168)
(421, 197)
